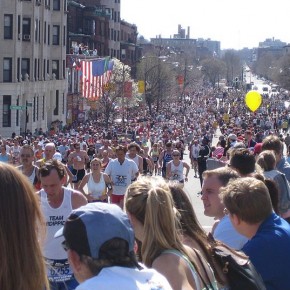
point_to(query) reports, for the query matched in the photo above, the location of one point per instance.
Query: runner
(57, 202)
(154, 153)
(121, 171)
(175, 168)
(78, 159)
(164, 157)
(98, 183)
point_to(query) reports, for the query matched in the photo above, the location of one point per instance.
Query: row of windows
(38, 103)
(56, 4)
(24, 69)
(25, 33)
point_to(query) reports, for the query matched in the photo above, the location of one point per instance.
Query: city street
(192, 188)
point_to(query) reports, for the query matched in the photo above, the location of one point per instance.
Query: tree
(213, 69)
(233, 65)
(157, 76)
(113, 93)
(264, 64)
(283, 75)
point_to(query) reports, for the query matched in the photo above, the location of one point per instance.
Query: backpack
(237, 267)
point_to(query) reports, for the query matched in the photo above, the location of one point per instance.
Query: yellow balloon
(253, 100)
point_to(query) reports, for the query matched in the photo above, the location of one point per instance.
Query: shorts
(67, 285)
(80, 173)
(116, 199)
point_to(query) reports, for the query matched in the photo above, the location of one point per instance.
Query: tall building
(32, 60)
(114, 27)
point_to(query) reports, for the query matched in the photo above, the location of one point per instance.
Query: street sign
(29, 104)
(17, 107)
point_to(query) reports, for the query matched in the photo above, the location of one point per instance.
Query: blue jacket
(269, 251)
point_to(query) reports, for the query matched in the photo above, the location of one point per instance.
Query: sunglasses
(25, 155)
(65, 245)
(175, 155)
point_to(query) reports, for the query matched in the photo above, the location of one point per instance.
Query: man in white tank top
(57, 202)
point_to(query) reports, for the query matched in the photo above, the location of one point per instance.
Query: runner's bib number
(59, 270)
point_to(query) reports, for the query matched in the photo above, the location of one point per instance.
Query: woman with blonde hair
(150, 208)
(193, 235)
(21, 226)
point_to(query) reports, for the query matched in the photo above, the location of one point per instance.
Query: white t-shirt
(226, 233)
(126, 278)
(121, 174)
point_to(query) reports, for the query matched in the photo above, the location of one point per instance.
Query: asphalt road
(192, 188)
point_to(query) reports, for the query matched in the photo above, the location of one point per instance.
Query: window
(56, 5)
(18, 69)
(34, 108)
(63, 108)
(47, 67)
(7, 70)
(36, 29)
(8, 26)
(37, 107)
(55, 68)
(35, 69)
(17, 112)
(47, 4)
(43, 103)
(19, 24)
(48, 35)
(56, 109)
(44, 69)
(63, 69)
(38, 69)
(55, 35)
(64, 35)
(6, 111)
(25, 67)
(44, 32)
(26, 29)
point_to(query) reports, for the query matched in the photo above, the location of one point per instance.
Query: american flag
(95, 74)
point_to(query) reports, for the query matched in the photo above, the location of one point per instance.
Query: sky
(236, 24)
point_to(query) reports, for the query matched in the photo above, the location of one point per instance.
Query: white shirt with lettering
(58, 269)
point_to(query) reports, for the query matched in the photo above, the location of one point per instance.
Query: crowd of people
(91, 208)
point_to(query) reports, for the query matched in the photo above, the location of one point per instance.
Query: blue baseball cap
(90, 226)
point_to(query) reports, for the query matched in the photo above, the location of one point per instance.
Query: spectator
(21, 230)
(150, 208)
(243, 161)
(193, 235)
(99, 241)
(274, 143)
(269, 235)
(4, 156)
(266, 160)
(222, 230)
